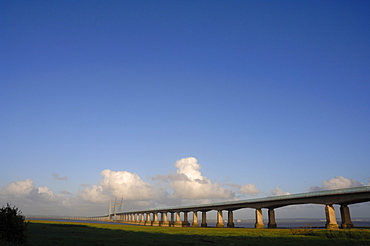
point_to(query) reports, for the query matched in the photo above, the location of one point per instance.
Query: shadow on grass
(75, 234)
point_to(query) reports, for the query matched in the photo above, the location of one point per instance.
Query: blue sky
(272, 96)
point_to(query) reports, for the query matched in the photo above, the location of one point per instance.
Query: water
(295, 224)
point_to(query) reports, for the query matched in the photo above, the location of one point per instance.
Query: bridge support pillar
(230, 219)
(185, 223)
(161, 219)
(176, 219)
(331, 221)
(180, 223)
(141, 219)
(164, 220)
(155, 221)
(346, 217)
(204, 219)
(147, 219)
(137, 219)
(220, 222)
(259, 219)
(272, 222)
(172, 222)
(195, 219)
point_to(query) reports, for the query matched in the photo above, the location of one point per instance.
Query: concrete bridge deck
(342, 197)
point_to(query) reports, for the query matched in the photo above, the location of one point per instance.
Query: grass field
(68, 233)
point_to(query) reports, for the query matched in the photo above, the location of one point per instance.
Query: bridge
(328, 198)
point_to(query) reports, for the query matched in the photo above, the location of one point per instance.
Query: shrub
(12, 225)
(357, 234)
(345, 234)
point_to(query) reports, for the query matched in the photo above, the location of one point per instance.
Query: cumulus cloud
(189, 183)
(278, 192)
(57, 177)
(43, 193)
(119, 184)
(29, 198)
(336, 183)
(185, 186)
(189, 167)
(249, 189)
(95, 193)
(24, 187)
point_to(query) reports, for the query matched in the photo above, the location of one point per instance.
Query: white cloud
(190, 167)
(46, 193)
(94, 193)
(188, 182)
(278, 192)
(24, 187)
(250, 189)
(127, 185)
(185, 186)
(33, 200)
(336, 183)
(27, 189)
(119, 184)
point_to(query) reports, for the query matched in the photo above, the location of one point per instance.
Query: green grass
(68, 233)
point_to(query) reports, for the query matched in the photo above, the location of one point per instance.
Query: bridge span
(328, 198)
